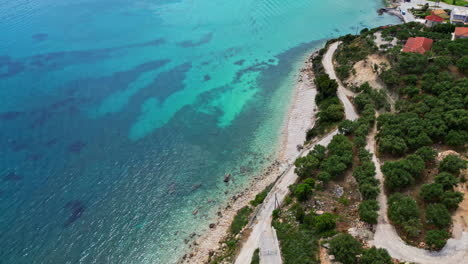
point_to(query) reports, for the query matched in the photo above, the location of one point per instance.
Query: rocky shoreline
(299, 120)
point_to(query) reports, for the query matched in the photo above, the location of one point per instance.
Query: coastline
(299, 118)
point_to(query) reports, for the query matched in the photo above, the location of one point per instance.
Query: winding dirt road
(263, 235)
(454, 252)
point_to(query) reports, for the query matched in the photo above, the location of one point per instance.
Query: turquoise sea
(119, 118)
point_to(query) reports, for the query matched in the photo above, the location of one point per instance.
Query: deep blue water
(118, 118)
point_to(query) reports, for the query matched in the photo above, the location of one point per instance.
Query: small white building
(459, 16)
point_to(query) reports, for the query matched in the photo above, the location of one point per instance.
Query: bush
(298, 245)
(431, 193)
(412, 228)
(299, 212)
(310, 182)
(446, 179)
(369, 191)
(402, 208)
(332, 113)
(428, 154)
(368, 211)
(438, 215)
(324, 176)
(452, 164)
(325, 222)
(256, 257)
(451, 199)
(375, 255)
(345, 248)
(306, 165)
(240, 220)
(436, 239)
(302, 191)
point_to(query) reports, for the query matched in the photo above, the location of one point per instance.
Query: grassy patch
(259, 198)
(256, 257)
(240, 220)
(298, 245)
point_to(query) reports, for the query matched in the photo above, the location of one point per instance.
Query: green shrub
(375, 255)
(452, 164)
(240, 220)
(345, 248)
(402, 208)
(436, 239)
(325, 222)
(324, 176)
(368, 211)
(438, 215)
(451, 199)
(302, 191)
(428, 154)
(256, 257)
(446, 179)
(432, 192)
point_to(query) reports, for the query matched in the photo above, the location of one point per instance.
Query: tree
(438, 215)
(302, 191)
(319, 152)
(347, 127)
(451, 199)
(324, 176)
(326, 86)
(402, 208)
(369, 191)
(368, 211)
(446, 179)
(392, 145)
(436, 239)
(396, 176)
(462, 63)
(375, 255)
(306, 165)
(456, 138)
(412, 227)
(432, 192)
(414, 63)
(310, 182)
(428, 154)
(334, 166)
(332, 113)
(325, 222)
(452, 164)
(345, 248)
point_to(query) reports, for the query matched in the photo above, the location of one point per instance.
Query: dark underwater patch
(12, 176)
(189, 43)
(76, 208)
(206, 78)
(165, 84)
(7, 116)
(76, 147)
(40, 37)
(8, 67)
(239, 62)
(17, 145)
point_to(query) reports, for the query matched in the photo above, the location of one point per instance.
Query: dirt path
(454, 252)
(263, 235)
(343, 93)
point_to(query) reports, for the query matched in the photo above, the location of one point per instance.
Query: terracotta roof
(419, 45)
(461, 31)
(434, 18)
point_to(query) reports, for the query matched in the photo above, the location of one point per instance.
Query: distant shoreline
(299, 118)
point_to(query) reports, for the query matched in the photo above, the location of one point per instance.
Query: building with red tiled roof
(419, 44)
(460, 32)
(433, 20)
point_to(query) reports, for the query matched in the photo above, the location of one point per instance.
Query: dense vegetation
(431, 110)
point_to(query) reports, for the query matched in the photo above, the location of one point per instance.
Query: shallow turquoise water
(119, 118)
